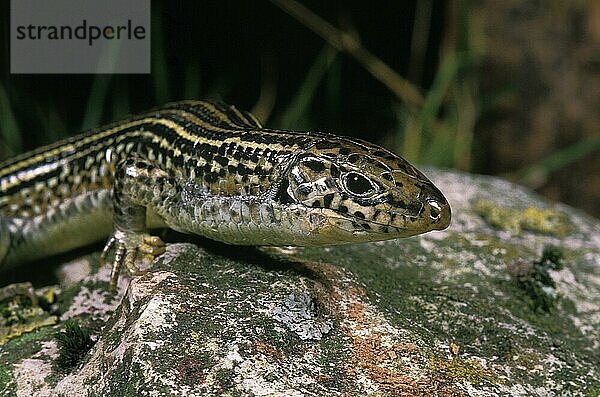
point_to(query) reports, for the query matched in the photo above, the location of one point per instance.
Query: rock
(479, 310)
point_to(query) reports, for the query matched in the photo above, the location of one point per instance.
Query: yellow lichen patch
(462, 370)
(7, 333)
(538, 220)
(20, 313)
(527, 359)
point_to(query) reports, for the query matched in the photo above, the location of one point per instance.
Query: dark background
(509, 88)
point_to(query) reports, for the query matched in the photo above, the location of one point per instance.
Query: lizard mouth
(434, 214)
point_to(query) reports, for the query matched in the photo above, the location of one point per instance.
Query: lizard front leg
(138, 185)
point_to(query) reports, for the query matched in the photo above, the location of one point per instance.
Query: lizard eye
(358, 184)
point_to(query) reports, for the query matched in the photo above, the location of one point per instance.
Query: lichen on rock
(477, 310)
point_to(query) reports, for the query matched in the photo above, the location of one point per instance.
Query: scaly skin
(209, 169)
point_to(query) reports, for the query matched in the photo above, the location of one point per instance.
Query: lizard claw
(152, 245)
(127, 245)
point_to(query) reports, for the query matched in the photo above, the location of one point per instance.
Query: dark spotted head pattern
(357, 191)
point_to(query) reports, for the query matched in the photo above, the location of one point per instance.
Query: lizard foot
(128, 246)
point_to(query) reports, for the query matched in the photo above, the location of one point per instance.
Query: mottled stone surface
(473, 310)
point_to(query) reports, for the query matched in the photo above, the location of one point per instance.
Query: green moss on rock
(74, 342)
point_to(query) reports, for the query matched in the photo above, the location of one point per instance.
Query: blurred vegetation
(334, 82)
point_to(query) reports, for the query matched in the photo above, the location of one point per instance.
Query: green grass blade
(10, 136)
(294, 115)
(120, 100)
(419, 129)
(443, 79)
(95, 105)
(536, 174)
(56, 127)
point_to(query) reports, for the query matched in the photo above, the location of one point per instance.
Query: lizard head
(353, 191)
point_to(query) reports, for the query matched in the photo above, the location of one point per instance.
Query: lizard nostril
(434, 209)
(439, 211)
